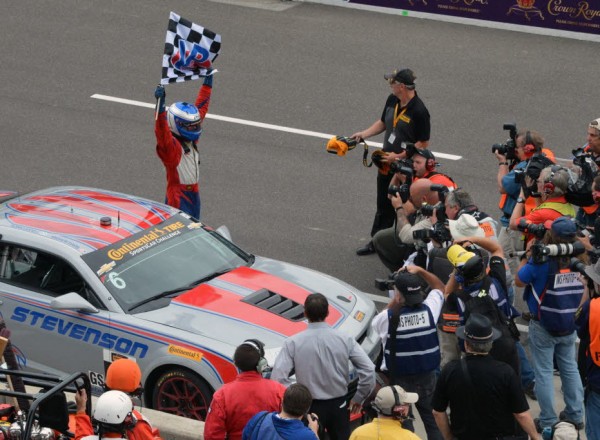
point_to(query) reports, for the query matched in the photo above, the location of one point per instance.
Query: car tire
(183, 393)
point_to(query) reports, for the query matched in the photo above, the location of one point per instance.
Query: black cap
(426, 153)
(411, 286)
(404, 76)
(478, 329)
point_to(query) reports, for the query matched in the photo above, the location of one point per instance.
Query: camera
(577, 265)
(540, 253)
(442, 190)
(402, 190)
(428, 210)
(438, 232)
(508, 148)
(402, 166)
(537, 230)
(519, 176)
(385, 284)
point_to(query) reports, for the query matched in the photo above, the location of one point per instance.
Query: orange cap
(123, 375)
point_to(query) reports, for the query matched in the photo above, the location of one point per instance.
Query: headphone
(430, 165)
(262, 364)
(549, 181)
(529, 147)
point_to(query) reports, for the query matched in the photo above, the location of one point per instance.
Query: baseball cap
(563, 227)
(458, 255)
(594, 124)
(411, 286)
(426, 153)
(404, 76)
(385, 400)
(465, 226)
(123, 375)
(478, 329)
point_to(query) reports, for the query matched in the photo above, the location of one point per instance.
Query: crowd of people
(450, 343)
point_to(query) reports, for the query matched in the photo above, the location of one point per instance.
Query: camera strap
(366, 154)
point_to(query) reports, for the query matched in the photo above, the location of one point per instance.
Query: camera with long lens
(403, 190)
(537, 230)
(540, 253)
(508, 148)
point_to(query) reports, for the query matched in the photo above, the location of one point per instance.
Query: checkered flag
(190, 50)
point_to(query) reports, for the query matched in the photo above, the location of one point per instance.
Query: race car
(88, 276)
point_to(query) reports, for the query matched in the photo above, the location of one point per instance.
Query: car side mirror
(72, 301)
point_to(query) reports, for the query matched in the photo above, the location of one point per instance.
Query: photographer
(404, 119)
(590, 151)
(407, 328)
(423, 165)
(395, 244)
(522, 146)
(459, 202)
(553, 292)
(588, 329)
(476, 291)
(552, 186)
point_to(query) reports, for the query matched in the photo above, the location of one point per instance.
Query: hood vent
(277, 304)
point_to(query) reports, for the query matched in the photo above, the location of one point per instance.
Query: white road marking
(258, 124)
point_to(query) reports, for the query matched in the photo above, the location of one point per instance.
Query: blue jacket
(269, 426)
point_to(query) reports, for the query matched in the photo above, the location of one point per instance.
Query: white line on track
(258, 124)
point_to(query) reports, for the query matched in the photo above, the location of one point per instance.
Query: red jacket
(237, 402)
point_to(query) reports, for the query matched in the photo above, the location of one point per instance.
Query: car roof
(71, 215)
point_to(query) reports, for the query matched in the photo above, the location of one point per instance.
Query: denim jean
(527, 374)
(592, 416)
(423, 385)
(543, 348)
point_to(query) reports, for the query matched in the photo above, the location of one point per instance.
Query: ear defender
(529, 147)
(262, 362)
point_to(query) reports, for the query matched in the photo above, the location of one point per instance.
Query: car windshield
(148, 268)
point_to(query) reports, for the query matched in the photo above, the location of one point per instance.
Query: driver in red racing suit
(177, 131)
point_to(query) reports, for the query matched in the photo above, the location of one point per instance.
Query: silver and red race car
(88, 276)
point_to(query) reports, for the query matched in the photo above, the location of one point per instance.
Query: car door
(46, 338)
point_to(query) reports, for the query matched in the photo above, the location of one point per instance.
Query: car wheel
(183, 393)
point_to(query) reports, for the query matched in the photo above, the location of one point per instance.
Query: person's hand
(313, 423)
(355, 407)
(358, 136)
(414, 269)
(500, 157)
(396, 201)
(390, 156)
(587, 243)
(81, 400)
(159, 94)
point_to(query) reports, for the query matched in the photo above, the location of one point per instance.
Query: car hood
(266, 301)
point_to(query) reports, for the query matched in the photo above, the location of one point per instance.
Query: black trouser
(422, 384)
(385, 215)
(333, 416)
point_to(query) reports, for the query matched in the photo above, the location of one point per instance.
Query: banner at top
(566, 15)
(190, 50)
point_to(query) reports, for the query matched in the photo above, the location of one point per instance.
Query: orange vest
(595, 330)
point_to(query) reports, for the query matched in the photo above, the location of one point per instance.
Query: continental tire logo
(184, 352)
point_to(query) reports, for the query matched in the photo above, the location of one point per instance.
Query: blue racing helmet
(184, 120)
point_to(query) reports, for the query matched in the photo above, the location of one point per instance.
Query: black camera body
(403, 190)
(402, 166)
(442, 190)
(508, 148)
(537, 230)
(385, 284)
(428, 210)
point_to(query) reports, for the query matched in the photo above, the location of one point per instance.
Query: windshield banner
(106, 259)
(565, 15)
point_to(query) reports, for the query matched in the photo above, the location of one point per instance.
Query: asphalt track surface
(303, 66)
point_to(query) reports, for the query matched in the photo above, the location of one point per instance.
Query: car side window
(42, 272)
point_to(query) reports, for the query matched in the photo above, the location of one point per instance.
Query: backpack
(579, 191)
(484, 304)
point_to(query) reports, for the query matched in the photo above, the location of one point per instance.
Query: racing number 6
(119, 283)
